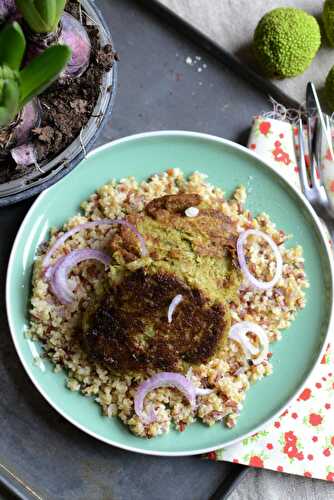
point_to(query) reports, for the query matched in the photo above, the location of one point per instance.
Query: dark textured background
(157, 90)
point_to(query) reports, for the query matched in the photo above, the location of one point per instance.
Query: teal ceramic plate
(227, 165)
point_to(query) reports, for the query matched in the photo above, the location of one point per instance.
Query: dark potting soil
(66, 106)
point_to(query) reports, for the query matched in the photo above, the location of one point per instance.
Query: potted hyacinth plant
(48, 24)
(19, 109)
(43, 138)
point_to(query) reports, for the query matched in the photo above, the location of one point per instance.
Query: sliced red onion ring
(202, 392)
(191, 212)
(87, 225)
(172, 306)
(199, 391)
(163, 379)
(239, 371)
(59, 277)
(262, 285)
(239, 332)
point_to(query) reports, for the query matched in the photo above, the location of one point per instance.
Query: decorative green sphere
(329, 89)
(328, 20)
(286, 41)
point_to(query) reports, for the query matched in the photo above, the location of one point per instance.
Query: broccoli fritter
(194, 257)
(130, 328)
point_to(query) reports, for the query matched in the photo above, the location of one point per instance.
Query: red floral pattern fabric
(301, 441)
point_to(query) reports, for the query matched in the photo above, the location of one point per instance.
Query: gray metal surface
(157, 90)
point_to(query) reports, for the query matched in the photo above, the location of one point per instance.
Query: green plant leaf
(9, 102)
(42, 16)
(32, 16)
(12, 46)
(47, 11)
(42, 71)
(60, 6)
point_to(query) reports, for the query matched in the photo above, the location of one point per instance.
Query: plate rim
(181, 133)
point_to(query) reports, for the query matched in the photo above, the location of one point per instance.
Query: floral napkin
(301, 440)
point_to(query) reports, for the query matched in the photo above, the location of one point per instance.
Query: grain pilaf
(228, 373)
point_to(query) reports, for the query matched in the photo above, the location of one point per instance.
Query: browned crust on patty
(119, 332)
(171, 203)
(129, 330)
(220, 234)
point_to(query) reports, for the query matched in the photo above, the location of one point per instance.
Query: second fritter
(189, 256)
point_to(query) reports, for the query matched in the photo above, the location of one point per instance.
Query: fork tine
(311, 141)
(310, 138)
(320, 143)
(328, 125)
(301, 163)
(315, 158)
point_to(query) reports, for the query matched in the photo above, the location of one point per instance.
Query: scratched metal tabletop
(157, 90)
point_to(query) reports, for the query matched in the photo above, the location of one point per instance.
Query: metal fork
(312, 187)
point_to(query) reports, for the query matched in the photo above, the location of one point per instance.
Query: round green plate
(227, 165)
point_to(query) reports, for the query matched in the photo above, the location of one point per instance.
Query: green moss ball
(285, 41)
(329, 89)
(328, 20)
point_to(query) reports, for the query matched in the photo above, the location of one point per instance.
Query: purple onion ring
(47, 259)
(261, 285)
(163, 379)
(59, 278)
